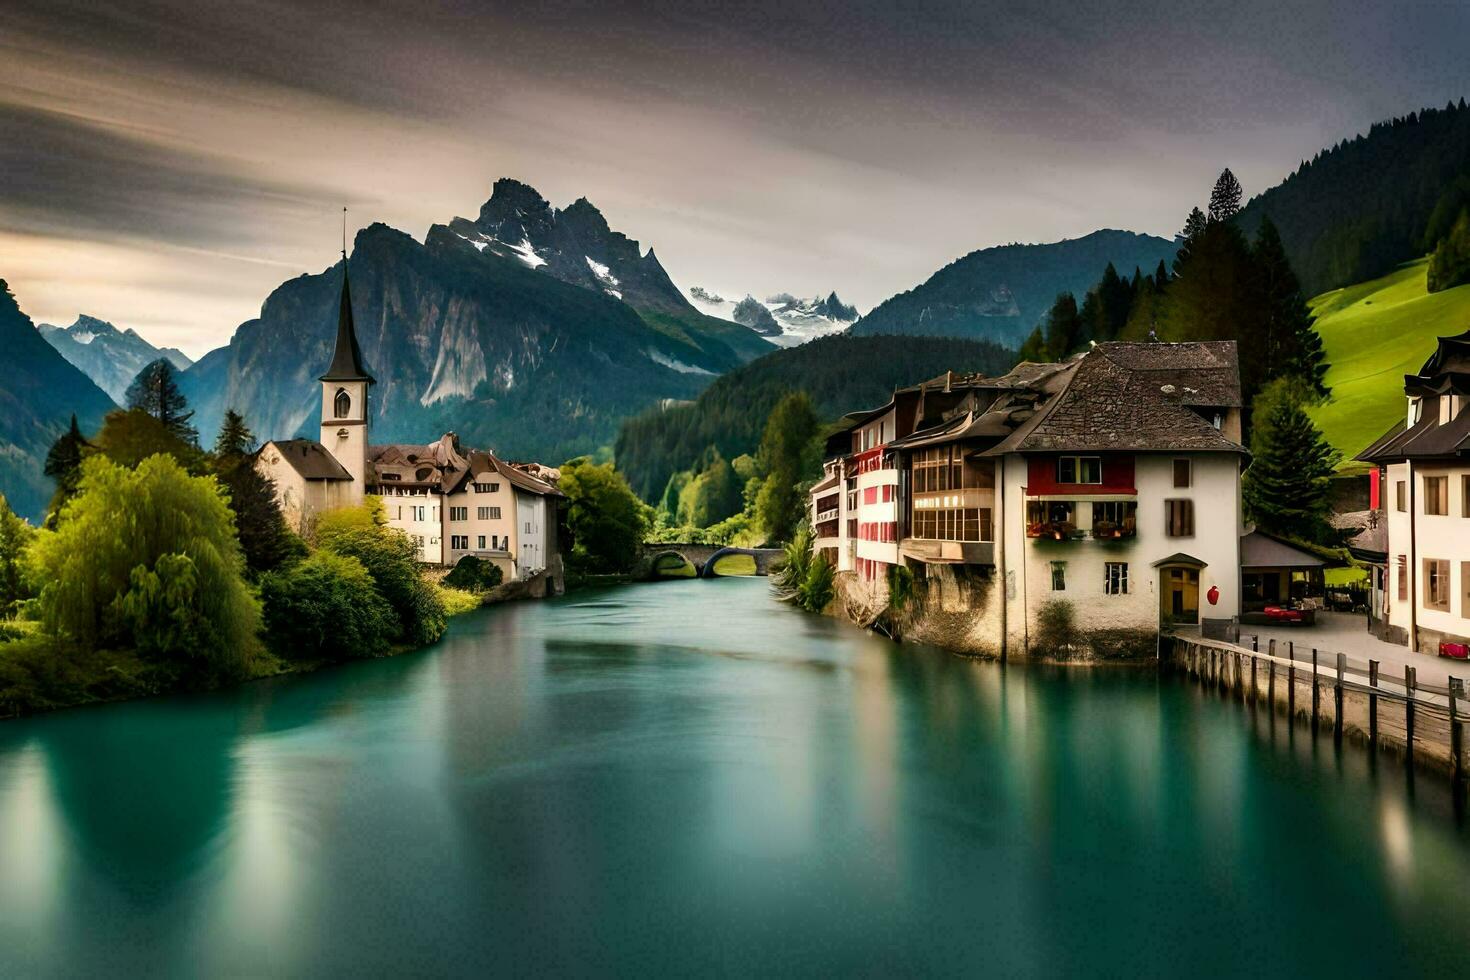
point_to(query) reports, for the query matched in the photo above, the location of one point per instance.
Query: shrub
(1056, 626)
(791, 568)
(457, 602)
(391, 559)
(606, 521)
(816, 590)
(326, 606)
(900, 587)
(474, 575)
(147, 559)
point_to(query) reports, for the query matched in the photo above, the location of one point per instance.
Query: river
(689, 777)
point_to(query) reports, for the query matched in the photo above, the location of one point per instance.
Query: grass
(1375, 333)
(457, 601)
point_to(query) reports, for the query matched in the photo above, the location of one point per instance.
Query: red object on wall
(1374, 499)
(1213, 595)
(1117, 476)
(1458, 651)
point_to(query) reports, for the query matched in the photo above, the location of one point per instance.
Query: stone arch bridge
(704, 556)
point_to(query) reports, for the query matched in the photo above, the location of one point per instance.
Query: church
(449, 500)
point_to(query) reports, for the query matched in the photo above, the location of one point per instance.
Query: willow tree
(147, 559)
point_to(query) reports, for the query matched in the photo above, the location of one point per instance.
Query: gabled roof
(1446, 371)
(309, 458)
(1134, 398)
(443, 467)
(347, 358)
(1260, 550)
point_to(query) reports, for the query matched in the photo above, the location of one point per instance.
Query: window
(1401, 496)
(1465, 496)
(1437, 495)
(1465, 590)
(1079, 469)
(480, 542)
(342, 404)
(1179, 518)
(416, 513)
(1058, 576)
(389, 476)
(887, 493)
(1403, 564)
(528, 527)
(487, 513)
(1114, 519)
(459, 513)
(1115, 578)
(1182, 473)
(486, 487)
(1437, 584)
(459, 542)
(870, 495)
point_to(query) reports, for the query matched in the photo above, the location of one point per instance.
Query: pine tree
(156, 392)
(1449, 265)
(1286, 486)
(264, 538)
(1225, 198)
(235, 438)
(1064, 327)
(1161, 276)
(64, 465)
(1034, 347)
(1286, 343)
(1194, 230)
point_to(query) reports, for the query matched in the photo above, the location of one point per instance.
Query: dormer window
(342, 404)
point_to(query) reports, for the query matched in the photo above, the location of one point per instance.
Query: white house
(1109, 483)
(451, 502)
(1424, 471)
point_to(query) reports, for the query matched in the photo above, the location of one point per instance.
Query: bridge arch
(660, 570)
(756, 555)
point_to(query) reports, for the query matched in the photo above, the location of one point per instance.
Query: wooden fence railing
(1425, 719)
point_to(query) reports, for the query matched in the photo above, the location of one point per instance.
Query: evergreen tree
(1161, 276)
(156, 392)
(1225, 198)
(1064, 330)
(1449, 265)
(1194, 230)
(1286, 486)
(64, 465)
(235, 438)
(1287, 344)
(1034, 347)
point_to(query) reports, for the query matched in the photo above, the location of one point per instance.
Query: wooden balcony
(935, 552)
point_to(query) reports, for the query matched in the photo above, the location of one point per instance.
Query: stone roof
(309, 458)
(1134, 398)
(444, 467)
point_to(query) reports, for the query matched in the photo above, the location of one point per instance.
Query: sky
(164, 164)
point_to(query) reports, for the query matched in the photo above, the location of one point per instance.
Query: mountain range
(39, 392)
(530, 330)
(110, 357)
(1000, 294)
(784, 319)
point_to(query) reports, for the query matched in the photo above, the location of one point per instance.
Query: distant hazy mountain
(110, 357)
(529, 331)
(785, 319)
(39, 391)
(1000, 293)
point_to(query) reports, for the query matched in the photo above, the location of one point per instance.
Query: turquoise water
(687, 777)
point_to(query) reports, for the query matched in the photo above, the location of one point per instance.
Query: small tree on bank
(607, 522)
(1286, 485)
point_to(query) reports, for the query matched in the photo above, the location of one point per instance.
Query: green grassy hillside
(1376, 332)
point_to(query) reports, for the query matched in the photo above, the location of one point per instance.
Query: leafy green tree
(790, 455)
(130, 436)
(1449, 264)
(326, 606)
(1286, 486)
(147, 559)
(156, 391)
(1225, 198)
(391, 558)
(64, 464)
(15, 537)
(607, 522)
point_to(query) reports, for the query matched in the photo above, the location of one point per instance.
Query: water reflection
(688, 778)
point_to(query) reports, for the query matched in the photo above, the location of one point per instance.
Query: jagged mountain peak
(109, 356)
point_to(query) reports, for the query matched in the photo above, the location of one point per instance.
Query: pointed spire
(347, 359)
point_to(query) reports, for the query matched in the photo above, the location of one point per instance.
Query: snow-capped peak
(799, 320)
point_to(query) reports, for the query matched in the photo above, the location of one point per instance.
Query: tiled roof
(310, 459)
(1118, 399)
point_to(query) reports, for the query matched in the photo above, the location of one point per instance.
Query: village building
(1106, 486)
(449, 500)
(1423, 589)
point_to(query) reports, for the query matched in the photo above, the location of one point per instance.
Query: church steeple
(347, 359)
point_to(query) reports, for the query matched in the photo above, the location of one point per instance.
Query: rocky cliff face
(39, 391)
(462, 333)
(111, 357)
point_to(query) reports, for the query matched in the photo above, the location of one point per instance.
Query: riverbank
(39, 673)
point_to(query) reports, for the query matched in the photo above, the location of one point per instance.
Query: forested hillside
(840, 373)
(1358, 209)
